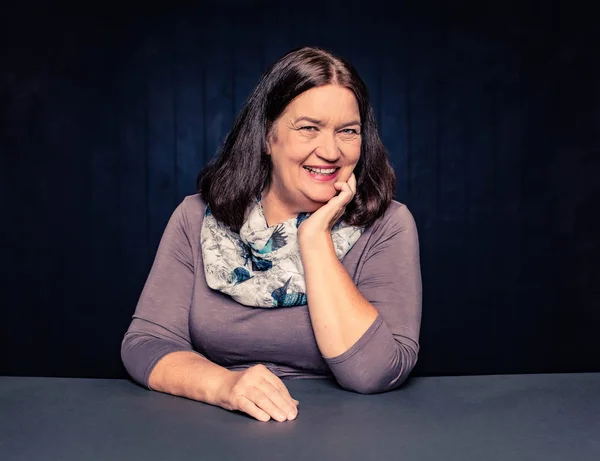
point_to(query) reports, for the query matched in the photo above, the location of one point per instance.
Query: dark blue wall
(490, 114)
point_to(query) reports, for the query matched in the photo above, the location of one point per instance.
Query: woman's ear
(271, 137)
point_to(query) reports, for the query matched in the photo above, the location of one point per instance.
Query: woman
(292, 261)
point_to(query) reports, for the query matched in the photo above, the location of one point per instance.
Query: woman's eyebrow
(352, 123)
(321, 123)
(310, 120)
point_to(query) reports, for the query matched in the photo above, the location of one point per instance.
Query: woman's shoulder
(193, 204)
(190, 212)
(397, 218)
(397, 213)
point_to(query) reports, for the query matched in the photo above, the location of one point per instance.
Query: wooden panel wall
(109, 121)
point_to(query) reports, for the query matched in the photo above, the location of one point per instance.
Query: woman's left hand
(322, 220)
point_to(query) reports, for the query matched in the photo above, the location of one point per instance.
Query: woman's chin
(315, 201)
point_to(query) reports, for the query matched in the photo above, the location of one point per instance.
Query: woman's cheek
(348, 173)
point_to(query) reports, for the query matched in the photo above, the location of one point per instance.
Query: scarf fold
(261, 266)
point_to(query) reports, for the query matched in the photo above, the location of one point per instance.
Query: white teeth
(321, 170)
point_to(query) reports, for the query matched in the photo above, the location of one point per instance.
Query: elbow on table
(373, 386)
(371, 381)
(129, 359)
(141, 351)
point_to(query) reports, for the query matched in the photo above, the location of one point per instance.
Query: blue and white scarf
(261, 266)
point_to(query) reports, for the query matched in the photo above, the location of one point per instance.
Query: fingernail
(292, 415)
(281, 417)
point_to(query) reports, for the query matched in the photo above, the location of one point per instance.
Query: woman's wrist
(307, 234)
(220, 389)
(315, 243)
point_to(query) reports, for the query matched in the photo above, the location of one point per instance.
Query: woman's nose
(329, 150)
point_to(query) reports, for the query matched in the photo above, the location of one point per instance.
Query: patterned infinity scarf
(261, 266)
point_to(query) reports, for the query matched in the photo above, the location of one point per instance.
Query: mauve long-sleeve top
(177, 311)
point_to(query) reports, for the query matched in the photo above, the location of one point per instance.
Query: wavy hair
(242, 169)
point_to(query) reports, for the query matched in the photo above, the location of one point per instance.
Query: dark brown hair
(242, 169)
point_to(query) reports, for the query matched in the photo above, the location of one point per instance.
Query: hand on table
(259, 393)
(322, 220)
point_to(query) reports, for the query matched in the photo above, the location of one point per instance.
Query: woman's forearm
(339, 313)
(255, 391)
(188, 374)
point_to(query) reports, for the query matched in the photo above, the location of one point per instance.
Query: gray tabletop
(526, 417)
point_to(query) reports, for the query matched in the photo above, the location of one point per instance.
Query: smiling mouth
(322, 171)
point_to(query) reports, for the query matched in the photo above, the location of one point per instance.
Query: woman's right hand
(259, 393)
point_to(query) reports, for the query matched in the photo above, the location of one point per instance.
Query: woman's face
(314, 143)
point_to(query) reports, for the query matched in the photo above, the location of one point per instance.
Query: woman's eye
(350, 131)
(309, 128)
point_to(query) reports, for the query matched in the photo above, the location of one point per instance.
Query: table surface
(504, 417)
